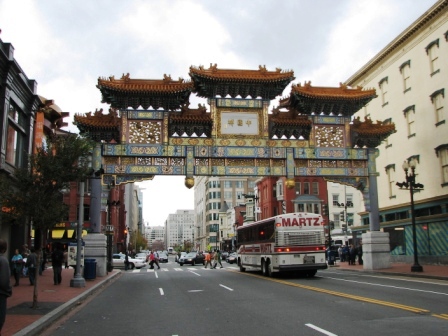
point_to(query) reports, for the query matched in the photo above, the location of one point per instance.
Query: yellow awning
(70, 234)
(57, 234)
(84, 233)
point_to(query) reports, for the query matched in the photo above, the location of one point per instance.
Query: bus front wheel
(242, 269)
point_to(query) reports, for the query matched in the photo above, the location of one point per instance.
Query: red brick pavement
(19, 314)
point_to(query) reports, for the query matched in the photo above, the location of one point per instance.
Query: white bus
(284, 243)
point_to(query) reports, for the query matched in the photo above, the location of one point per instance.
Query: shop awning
(57, 234)
(70, 234)
(66, 234)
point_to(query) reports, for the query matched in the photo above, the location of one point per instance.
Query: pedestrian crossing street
(177, 269)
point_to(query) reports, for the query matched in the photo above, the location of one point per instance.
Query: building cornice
(436, 10)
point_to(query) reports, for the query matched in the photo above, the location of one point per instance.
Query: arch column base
(375, 250)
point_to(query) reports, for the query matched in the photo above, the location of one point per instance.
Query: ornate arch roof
(156, 93)
(213, 82)
(368, 134)
(340, 100)
(99, 126)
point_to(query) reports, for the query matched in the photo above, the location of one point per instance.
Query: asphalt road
(194, 301)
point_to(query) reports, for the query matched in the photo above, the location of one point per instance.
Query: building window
(349, 200)
(409, 113)
(390, 171)
(298, 188)
(442, 153)
(335, 199)
(383, 84)
(387, 143)
(227, 184)
(15, 150)
(432, 50)
(405, 70)
(306, 188)
(437, 99)
(315, 186)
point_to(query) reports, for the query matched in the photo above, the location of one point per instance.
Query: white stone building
(410, 76)
(180, 230)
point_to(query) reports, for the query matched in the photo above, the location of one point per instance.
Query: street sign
(109, 228)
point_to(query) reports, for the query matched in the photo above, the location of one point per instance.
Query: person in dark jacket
(360, 261)
(5, 285)
(31, 263)
(57, 258)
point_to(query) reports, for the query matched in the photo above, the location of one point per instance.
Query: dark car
(163, 257)
(192, 258)
(232, 258)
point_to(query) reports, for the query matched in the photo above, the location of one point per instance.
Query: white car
(119, 258)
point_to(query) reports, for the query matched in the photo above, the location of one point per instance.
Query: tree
(34, 193)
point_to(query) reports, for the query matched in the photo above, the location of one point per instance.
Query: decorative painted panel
(145, 132)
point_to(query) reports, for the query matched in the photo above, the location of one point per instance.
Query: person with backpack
(57, 258)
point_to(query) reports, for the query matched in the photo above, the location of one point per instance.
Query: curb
(41, 324)
(409, 275)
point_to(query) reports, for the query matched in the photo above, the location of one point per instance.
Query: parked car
(141, 255)
(118, 261)
(192, 258)
(182, 254)
(224, 255)
(163, 257)
(232, 258)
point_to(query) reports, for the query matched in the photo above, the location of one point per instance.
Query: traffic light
(341, 216)
(331, 225)
(125, 232)
(324, 210)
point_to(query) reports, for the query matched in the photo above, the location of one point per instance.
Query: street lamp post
(110, 233)
(410, 185)
(78, 280)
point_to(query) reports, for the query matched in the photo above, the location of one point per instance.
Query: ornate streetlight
(412, 186)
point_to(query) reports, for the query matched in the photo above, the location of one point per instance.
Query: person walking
(360, 261)
(5, 285)
(208, 260)
(217, 258)
(57, 258)
(17, 266)
(65, 259)
(153, 260)
(31, 264)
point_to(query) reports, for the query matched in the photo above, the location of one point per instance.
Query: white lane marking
(157, 276)
(195, 290)
(195, 273)
(149, 270)
(389, 286)
(136, 271)
(161, 291)
(178, 269)
(323, 331)
(228, 288)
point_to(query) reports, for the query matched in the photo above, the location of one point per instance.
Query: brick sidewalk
(20, 314)
(429, 271)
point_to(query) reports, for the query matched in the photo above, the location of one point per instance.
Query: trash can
(331, 256)
(89, 269)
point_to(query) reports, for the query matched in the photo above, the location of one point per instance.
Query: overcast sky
(67, 45)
